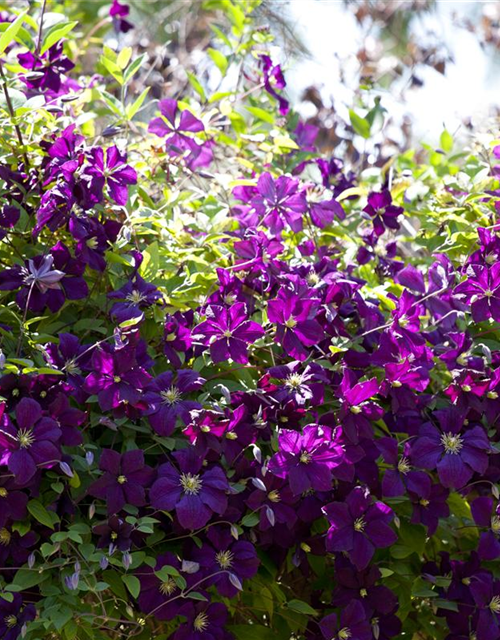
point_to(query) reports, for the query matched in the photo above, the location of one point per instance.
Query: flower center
(136, 297)
(495, 524)
(312, 278)
(117, 379)
(492, 395)
(294, 381)
(25, 438)
(227, 334)
(191, 484)
(121, 479)
(168, 587)
(3, 492)
(452, 443)
(466, 388)
(424, 502)
(114, 536)
(10, 621)
(200, 622)
(488, 293)
(305, 457)
(274, 496)
(359, 525)
(404, 465)
(5, 536)
(356, 410)
(170, 337)
(345, 634)
(171, 396)
(291, 322)
(224, 559)
(495, 604)
(91, 243)
(71, 367)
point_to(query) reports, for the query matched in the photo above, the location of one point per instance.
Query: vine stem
(40, 29)
(13, 115)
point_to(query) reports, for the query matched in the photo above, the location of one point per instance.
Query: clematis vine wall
(246, 390)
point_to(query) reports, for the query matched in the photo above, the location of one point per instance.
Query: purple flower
(382, 212)
(118, 13)
(137, 294)
(204, 622)
(123, 481)
(177, 336)
(32, 443)
(357, 412)
(226, 557)
(46, 70)
(13, 616)
(429, 505)
(359, 526)
(482, 291)
(352, 623)
(306, 459)
(487, 514)
(166, 399)
(110, 169)
(297, 330)
(400, 478)
(455, 453)
(274, 81)
(116, 378)
(279, 202)
(193, 495)
(228, 332)
(159, 595)
(12, 501)
(179, 131)
(486, 593)
(113, 534)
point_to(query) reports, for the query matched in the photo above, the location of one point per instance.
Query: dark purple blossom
(352, 623)
(195, 495)
(13, 616)
(482, 291)
(359, 526)
(382, 212)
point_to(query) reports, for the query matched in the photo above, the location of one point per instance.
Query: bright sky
(469, 89)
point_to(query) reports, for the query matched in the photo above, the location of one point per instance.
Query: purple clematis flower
(32, 443)
(297, 330)
(487, 514)
(193, 495)
(177, 336)
(136, 295)
(274, 81)
(110, 169)
(428, 506)
(13, 616)
(46, 72)
(357, 412)
(306, 459)
(279, 202)
(352, 623)
(455, 452)
(225, 557)
(118, 13)
(401, 477)
(179, 132)
(159, 596)
(113, 534)
(166, 399)
(123, 481)
(12, 501)
(486, 593)
(482, 291)
(204, 622)
(359, 526)
(228, 332)
(382, 212)
(116, 378)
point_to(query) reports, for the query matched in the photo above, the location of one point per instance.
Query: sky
(470, 87)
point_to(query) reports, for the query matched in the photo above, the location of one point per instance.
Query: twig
(13, 115)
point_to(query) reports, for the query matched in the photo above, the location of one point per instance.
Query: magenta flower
(110, 169)
(279, 202)
(359, 526)
(382, 212)
(123, 481)
(306, 459)
(297, 330)
(482, 291)
(32, 443)
(486, 515)
(195, 496)
(228, 332)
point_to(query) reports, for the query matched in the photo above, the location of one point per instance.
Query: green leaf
(134, 67)
(133, 585)
(56, 33)
(261, 114)
(194, 595)
(360, 125)
(219, 59)
(250, 520)
(25, 579)
(251, 632)
(9, 35)
(124, 57)
(193, 81)
(151, 262)
(446, 141)
(165, 572)
(301, 607)
(40, 513)
(133, 108)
